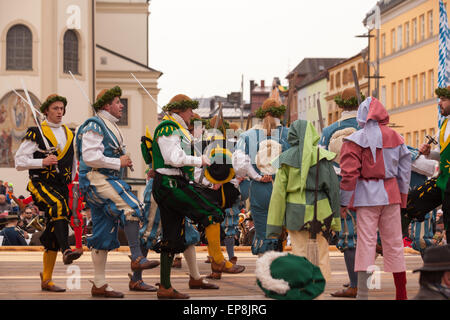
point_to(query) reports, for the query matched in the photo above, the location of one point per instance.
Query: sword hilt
(431, 140)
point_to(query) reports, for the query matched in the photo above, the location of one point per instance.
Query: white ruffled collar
(108, 116)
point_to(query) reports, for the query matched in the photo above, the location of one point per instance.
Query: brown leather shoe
(214, 275)
(69, 256)
(233, 260)
(149, 264)
(346, 293)
(209, 259)
(78, 250)
(176, 263)
(52, 288)
(140, 285)
(200, 284)
(221, 268)
(170, 293)
(102, 292)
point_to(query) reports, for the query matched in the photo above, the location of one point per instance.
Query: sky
(205, 47)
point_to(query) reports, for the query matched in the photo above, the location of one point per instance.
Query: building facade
(340, 77)
(408, 59)
(308, 94)
(101, 42)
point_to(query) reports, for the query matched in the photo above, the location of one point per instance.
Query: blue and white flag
(444, 45)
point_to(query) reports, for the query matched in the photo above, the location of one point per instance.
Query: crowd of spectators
(22, 223)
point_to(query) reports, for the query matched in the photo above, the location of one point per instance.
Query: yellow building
(408, 60)
(340, 77)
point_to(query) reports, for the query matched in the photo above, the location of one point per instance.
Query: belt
(111, 172)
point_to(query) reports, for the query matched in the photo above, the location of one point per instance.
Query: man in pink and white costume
(376, 169)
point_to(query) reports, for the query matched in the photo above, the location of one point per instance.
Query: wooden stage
(19, 277)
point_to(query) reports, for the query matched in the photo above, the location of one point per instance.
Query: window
(416, 139)
(383, 95)
(422, 27)
(415, 89)
(331, 82)
(408, 138)
(345, 77)
(431, 83)
(430, 23)
(399, 38)
(383, 45)
(71, 52)
(407, 34)
(423, 133)
(19, 48)
(123, 121)
(338, 80)
(408, 91)
(393, 40)
(394, 95)
(423, 90)
(414, 31)
(400, 93)
(432, 132)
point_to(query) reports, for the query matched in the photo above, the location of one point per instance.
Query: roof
(128, 59)
(313, 78)
(363, 52)
(385, 5)
(313, 65)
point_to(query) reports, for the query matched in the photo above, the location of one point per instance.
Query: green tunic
(444, 164)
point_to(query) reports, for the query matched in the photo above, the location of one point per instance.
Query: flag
(444, 35)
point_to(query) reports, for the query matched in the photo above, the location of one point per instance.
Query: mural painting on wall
(15, 118)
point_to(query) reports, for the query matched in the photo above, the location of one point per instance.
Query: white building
(100, 41)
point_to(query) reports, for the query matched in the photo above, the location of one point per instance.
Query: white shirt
(173, 154)
(92, 147)
(24, 156)
(436, 154)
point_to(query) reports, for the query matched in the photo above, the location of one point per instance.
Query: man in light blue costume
(255, 151)
(332, 139)
(102, 157)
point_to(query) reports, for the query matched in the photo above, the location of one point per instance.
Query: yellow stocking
(49, 263)
(212, 233)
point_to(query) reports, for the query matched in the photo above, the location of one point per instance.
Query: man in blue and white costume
(102, 158)
(255, 151)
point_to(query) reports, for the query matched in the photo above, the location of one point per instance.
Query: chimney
(252, 85)
(262, 84)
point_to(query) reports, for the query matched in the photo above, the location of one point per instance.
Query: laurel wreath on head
(442, 92)
(48, 102)
(181, 105)
(352, 102)
(276, 112)
(108, 97)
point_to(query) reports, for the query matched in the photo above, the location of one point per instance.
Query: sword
(119, 148)
(75, 197)
(355, 80)
(166, 114)
(48, 150)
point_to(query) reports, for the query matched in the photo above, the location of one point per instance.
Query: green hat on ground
(53, 98)
(106, 97)
(285, 276)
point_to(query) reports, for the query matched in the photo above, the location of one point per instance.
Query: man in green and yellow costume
(178, 196)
